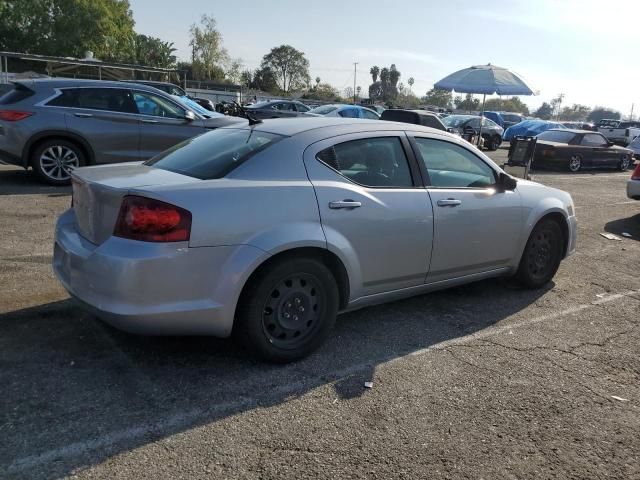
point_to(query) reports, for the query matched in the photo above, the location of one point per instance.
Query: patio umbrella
(487, 80)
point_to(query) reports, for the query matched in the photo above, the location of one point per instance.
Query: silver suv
(56, 125)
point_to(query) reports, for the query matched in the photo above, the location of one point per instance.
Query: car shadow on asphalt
(76, 391)
(622, 226)
(22, 182)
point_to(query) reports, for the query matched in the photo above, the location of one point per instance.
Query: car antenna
(247, 115)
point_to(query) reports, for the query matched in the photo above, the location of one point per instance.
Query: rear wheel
(575, 163)
(288, 310)
(624, 162)
(55, 159)
(494, 143)
(542, 255)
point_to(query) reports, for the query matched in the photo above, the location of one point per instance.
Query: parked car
(622, 133)
(579, 149)
(510, 119)
(495, 117)
(376, 108)
(277, 109)
(491, 131)
(635, 147)
(348, 111)
(529, 128)
(267, 232)
(173, 89)
(417, 117)
(579, 125)
(633, 184)
(56, 125)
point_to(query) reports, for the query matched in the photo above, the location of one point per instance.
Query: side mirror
(189, 116)
(506, 182)
(610, 143)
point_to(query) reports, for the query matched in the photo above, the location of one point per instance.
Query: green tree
(375, 71)
(598, 113)
(233, 72)
(208, 56)
(290, 67)
(469, 103)
(410, 82)
(386, 89)
(438, 98)
(544, 112)
(153, 52)
(513, 104)
(324, 92)
(575, 112)
(68, 28)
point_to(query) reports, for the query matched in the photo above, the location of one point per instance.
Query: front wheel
(494, 143)
(623, 164)
(542, 255)
(288, 310)
(55, 159)
(575, 163)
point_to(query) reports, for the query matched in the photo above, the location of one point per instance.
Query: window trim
(414, 172)
(59, 90)
(425, 171)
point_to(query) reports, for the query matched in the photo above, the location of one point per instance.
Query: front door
(597, 151)
(373, 210)
(476, 227)
(162, 123)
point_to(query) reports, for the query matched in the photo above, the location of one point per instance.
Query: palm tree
(317, 81)
(375, 71)
(411, 81)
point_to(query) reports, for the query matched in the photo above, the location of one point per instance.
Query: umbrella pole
(484, 97)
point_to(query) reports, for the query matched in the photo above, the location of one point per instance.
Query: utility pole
(631, 116)
(355, 72)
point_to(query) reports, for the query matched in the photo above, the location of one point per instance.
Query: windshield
(214, 154)
(456, 120)
(197, 108)
(323, 109)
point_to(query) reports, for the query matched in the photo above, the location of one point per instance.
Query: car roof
(293, 126)
(36, 83)
(571, 130)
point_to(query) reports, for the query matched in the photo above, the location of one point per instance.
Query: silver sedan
(269, 231)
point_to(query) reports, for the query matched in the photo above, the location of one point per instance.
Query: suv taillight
(150, 220)
(636, 173)
(13, 115)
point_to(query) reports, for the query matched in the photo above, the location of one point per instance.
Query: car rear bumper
(153, 288)
(633, 189)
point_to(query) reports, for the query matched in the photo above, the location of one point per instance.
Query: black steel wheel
(575, 163)
(542, 255)
(288, 310)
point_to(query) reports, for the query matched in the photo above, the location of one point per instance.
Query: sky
(585, 49)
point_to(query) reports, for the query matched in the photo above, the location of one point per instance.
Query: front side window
(349, 113)
(452, 166)
(301, 107)
(323, 110)
(213, 154)
(110, 99)
(284, 106)
(593, 140)
(156, 106)
(373, 162)
(369, 115)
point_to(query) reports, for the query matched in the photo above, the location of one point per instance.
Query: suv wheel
(288, 310)
(53, 161)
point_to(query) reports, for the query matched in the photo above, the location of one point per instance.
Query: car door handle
(146, 120)
(449, 202)
(344, 204)
(83, 115)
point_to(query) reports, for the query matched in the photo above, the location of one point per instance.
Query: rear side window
(214, 154)
(373, 162)
(16, 95)
(110, 99)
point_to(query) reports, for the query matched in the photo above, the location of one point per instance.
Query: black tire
(575, 163)
(53, 160)
(623, 164)
(287, 311)
(542, 255)
(494, 143)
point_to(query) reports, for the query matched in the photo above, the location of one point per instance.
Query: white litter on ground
(627, 234)
(368, 384)
(610, 236)
(620, 399)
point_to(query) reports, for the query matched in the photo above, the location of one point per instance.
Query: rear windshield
(323, 110)
(19, 93)
(214, 154)
(556, 136)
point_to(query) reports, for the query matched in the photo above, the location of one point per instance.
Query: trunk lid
(98, 193)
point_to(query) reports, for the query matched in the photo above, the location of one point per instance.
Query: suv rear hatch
(98, 193)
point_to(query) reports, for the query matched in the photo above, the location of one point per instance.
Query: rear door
(162, 123)
(476, 228)
(373, 209)
(105, 117)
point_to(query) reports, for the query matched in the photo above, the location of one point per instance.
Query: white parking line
(183, 420)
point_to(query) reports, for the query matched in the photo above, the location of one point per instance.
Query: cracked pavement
(481, 381)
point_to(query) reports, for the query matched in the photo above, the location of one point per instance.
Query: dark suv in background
(56, 125)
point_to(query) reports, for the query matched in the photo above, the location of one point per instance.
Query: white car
(633, 184)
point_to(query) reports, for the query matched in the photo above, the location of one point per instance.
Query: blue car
(529, 128)
(339, 110)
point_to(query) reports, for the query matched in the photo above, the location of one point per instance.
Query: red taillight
(13, 115)
(636, 173)
(150, 220)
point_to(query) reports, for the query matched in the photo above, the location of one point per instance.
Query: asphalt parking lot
(481, 381)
